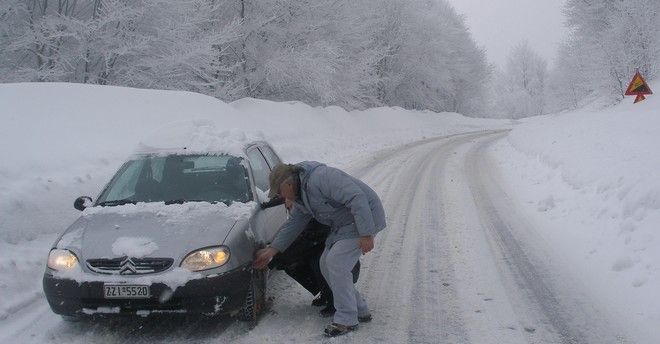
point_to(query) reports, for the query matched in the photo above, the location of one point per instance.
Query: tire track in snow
(406, 272)
(436, 275)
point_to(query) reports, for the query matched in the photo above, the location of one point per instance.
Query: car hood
(149, 232)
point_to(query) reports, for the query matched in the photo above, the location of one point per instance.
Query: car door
(271, 157)
(277, 217)
(265, 223)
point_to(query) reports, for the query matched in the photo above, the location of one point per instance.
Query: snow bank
(590, 179)
(60, 141)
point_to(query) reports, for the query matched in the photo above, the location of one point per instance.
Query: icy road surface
(456, 264)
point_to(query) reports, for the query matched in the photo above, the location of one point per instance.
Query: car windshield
(178, 179)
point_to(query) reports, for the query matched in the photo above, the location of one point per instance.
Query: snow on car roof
(196, 137)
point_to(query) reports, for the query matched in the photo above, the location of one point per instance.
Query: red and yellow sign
(638, 87)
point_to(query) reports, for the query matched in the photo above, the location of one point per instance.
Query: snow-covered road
(457, 264)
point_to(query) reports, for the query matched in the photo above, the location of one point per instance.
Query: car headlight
(62, 260)
(206, 258)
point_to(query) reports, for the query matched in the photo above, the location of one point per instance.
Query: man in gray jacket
(354, 213)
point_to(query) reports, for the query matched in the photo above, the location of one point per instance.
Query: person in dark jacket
(355, 215)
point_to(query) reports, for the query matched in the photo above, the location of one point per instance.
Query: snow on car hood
(152, 229)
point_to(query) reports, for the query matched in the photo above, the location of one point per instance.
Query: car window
(260, 169)
(123, 185)
(270, 155)
(157, 167)
(180, 178)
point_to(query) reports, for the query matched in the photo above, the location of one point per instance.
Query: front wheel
(255, 300)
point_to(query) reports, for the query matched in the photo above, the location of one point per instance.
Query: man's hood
(307, 168)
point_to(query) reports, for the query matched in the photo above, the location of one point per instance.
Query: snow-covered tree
(184, 46)
(415, 54)
(431, 62)
(520, 89)
(609, 41)
(567, 85)
(317, 51)
(144, 43)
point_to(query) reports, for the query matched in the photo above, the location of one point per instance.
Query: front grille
(129, 266)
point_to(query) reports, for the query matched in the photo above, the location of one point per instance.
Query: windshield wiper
(117, 202)
(181, 201)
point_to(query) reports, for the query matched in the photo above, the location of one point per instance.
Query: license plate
(125, 291)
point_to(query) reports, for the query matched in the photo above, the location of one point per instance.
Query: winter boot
(334, 329)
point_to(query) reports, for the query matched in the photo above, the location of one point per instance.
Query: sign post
(638, 87)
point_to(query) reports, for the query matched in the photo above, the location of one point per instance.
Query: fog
(500, 25)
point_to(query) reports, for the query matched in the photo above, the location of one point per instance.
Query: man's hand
(263, 257)
(366, 243)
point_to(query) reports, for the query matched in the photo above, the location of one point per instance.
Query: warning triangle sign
(639, 98)
(638, 86)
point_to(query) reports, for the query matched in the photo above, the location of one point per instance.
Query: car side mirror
(82, 202)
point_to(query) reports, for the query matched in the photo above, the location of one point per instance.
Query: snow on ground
(589, 181)
(60, 141)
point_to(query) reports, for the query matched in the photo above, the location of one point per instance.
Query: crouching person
(355, 215)
(301, 260)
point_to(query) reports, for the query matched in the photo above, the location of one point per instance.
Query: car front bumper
(216, 294)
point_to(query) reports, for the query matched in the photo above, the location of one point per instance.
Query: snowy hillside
(589, 181)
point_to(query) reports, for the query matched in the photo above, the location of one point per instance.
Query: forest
(415, 54)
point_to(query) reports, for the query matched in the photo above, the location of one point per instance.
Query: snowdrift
(590, 181)
(59, 141)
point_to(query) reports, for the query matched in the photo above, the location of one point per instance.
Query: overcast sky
(498, 25)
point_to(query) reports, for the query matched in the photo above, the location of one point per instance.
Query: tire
(255, 300)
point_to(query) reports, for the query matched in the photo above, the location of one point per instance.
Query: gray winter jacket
(334, 198)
